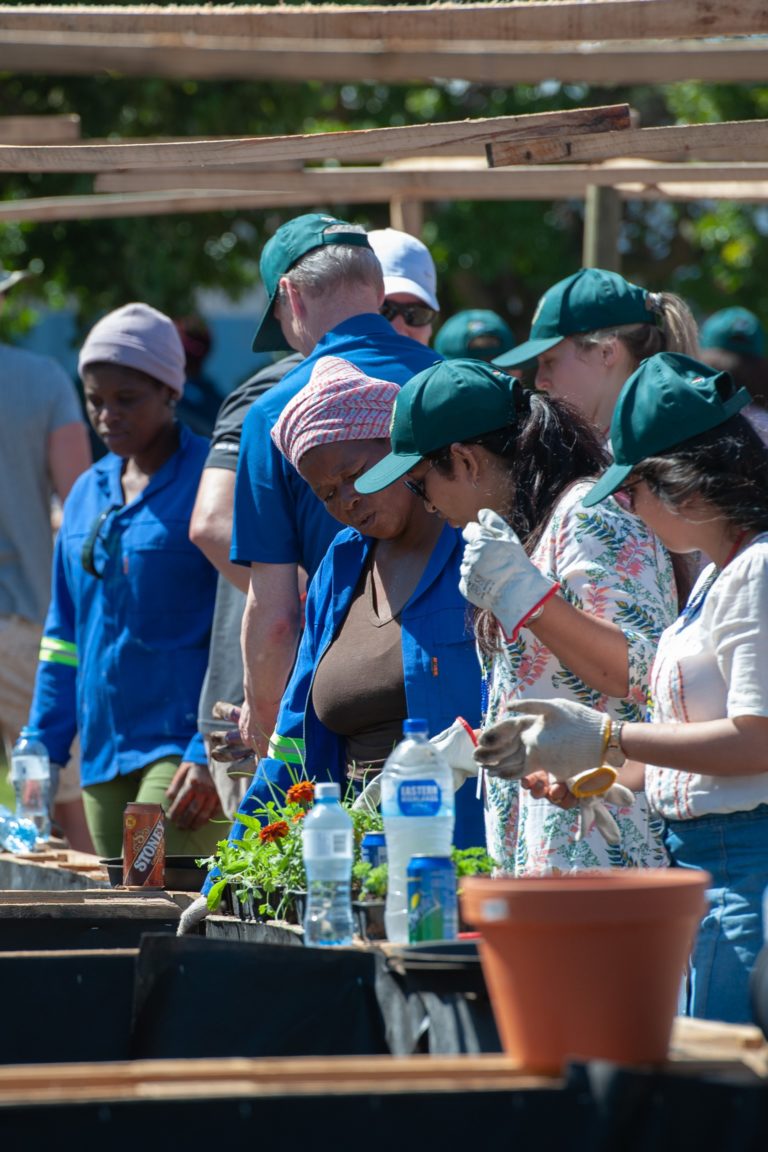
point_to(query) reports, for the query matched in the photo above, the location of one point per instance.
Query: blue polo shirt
(277, 517)
(124, 653)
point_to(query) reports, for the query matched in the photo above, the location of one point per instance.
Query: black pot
(181, 873)
(369, 919)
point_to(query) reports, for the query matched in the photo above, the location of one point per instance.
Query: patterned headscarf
(339, 403)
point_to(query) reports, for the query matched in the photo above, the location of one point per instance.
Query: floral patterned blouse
(609, 564)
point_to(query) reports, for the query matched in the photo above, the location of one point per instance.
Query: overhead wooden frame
(565, 20)
(426, 139)
(600, 42)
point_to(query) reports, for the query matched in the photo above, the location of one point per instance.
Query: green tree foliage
(497, 255)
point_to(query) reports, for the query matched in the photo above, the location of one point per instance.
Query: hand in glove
(496, 573)
(555, 736)
(456, 743)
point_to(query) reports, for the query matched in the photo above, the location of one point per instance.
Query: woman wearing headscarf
(386, 633)
(125, 643)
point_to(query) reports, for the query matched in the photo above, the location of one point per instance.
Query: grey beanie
(137, 336)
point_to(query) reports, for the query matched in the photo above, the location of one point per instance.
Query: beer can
(143, 846)
(373, 848)
(433, 912)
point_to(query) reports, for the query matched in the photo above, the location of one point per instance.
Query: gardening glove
(192, 916)
(595, 814)
(496, 573)
(457, 745)
(369, 798)
(555, 736)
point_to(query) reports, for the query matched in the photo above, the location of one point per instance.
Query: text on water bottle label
(332, 843)
(419, 797)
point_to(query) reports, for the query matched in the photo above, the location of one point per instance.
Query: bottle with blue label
(31, 779)
(417, 806)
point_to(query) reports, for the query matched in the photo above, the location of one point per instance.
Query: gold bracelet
(607, 734)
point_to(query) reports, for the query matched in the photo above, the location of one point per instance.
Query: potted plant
(261, 876)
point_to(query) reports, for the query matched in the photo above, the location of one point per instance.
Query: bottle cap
(29, 731)
(327, 792)
(414, 724)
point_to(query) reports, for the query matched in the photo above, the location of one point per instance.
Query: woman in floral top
(706, 749)
(574, 611)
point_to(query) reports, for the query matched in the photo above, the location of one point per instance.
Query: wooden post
(602, 221)
(407, 216)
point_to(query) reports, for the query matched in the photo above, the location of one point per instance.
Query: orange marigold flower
(275, 831)
(299, 816)
(301, 793)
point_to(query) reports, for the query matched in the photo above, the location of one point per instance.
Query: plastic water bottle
(417, 807)
(327, 848)
(16, 835)
(31, 779)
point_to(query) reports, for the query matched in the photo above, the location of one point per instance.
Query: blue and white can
(373, 848)
(433, 912)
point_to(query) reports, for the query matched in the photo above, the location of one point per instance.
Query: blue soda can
(373, 848)
(433, 912)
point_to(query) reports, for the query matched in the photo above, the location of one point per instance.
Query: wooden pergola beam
(686, 140)
(39, 129)
(189, 201)
(350, 146)
(465, 179)
(177, 56)
(568, 20)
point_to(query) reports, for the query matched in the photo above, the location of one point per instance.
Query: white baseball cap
(406, 263)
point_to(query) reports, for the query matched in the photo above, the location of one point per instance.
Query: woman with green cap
(572, 602)
(696, 473)
(589, 333)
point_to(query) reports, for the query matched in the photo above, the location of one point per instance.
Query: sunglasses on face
(417, 486)
(87, 555)
(415, 315)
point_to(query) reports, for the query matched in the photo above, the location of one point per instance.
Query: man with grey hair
(324, 290)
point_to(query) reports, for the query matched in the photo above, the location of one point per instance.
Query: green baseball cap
(585, 302)
(452, 400)
(476, 334)
(292, 241)
(667, 401)
(734, 329)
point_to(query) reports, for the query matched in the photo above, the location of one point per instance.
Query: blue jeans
(734, 848)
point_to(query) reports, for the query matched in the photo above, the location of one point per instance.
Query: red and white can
(143, 846)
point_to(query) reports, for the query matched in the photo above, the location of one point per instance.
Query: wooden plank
(165, 203)
(464, 178)
(39, 129)
(685, 140)
(354, 145)
(489, 62)
(567, 20)
(236, 1076)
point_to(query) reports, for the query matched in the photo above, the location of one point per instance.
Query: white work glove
(568, 741)
(193, 915)
(457, 745)
(496, 573)
(595, 814)
(555, 736)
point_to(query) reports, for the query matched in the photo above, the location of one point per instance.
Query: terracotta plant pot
(588, 965)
